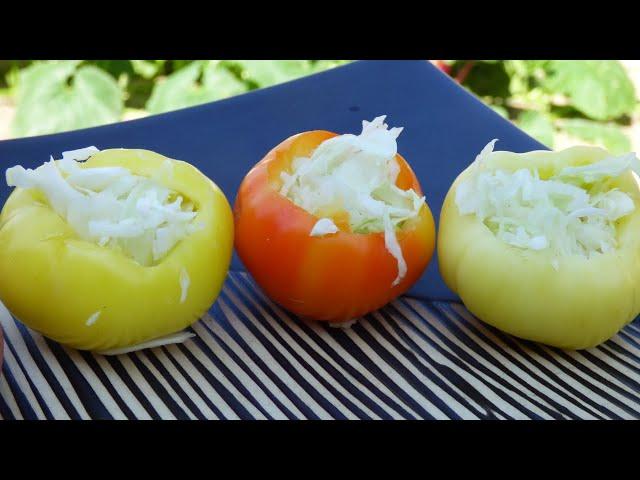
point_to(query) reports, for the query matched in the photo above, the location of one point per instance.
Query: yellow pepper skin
(580, 305)
(54, 281)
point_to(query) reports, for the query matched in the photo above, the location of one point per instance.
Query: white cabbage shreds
(355, 174)
(111, 206)
(178, 337)
(570, 213)
(324, 226)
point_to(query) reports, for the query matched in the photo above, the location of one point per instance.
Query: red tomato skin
(332, 278)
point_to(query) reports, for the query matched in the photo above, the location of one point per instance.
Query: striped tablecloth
(251, 360)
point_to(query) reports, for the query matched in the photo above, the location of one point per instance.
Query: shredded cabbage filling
(574, 212)
(111, 206)
(178, 337)
(355, 174)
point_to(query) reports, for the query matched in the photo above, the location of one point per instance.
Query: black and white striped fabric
(251, 360)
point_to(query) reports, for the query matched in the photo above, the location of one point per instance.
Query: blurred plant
(196, 83)
(589, 101)
(64, 95)
(585, 100)
(53, 96)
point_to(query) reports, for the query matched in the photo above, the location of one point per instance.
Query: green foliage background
(54, 96)
(590, 101)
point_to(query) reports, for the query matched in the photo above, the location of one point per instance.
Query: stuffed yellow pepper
(546, 245)
(116, 253)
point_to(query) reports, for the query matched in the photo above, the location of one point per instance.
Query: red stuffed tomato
(334, 226)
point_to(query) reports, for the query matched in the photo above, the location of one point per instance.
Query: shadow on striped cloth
(252, 360)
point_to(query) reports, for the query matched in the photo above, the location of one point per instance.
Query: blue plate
(445, 128)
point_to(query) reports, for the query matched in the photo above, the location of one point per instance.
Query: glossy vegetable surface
(336, 277)
(93, 297)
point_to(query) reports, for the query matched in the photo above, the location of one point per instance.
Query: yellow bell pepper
(566, 300)
(93, 297)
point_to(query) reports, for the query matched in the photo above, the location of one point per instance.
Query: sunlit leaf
(600, 89)
(538, 125)
(524, 74)
(265, 73)
(500, 111)
(147, 68)
(198, 82)
(322, 65)
(58, 96)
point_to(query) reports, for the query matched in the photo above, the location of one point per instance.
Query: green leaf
(198, 82)
(147, 68)
(57, 96)
(600, 89)
(92, 83)
(265, 73)
(538, 125)
(222, 82)
(526, 67)
(500, 111)
(611, 137)
(322, 65)
(524, 74)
